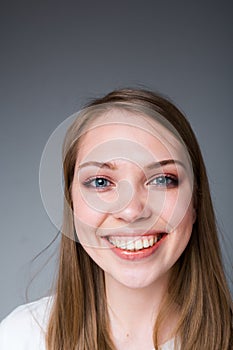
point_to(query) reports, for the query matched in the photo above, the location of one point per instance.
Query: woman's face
(132, 197)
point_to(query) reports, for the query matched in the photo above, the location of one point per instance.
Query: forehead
(121, 134)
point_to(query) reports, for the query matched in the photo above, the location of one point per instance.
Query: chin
(139, 279)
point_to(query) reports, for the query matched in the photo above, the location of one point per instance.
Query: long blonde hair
(79, 318)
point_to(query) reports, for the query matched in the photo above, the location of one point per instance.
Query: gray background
(55, 55)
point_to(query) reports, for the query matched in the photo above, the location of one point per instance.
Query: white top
(24, 328)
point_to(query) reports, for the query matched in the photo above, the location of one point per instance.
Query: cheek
(177, 209)
(86, 217)
(182, 232)
(177, 240)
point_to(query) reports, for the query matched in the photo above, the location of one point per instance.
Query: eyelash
(171, 182)
(88, 183)
(171, 179)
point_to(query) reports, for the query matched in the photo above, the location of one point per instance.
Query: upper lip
(133, 233)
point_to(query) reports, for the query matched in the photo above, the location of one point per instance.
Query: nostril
(134, 211)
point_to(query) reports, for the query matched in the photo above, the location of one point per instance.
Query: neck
(133, 311)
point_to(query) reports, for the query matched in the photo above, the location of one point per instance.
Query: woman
(140, 263)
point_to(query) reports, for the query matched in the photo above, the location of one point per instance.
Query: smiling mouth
(133, 244)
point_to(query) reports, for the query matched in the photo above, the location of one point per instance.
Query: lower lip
(139, 254)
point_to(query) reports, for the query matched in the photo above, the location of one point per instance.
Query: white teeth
(151, 242)
(118, 243)
(145, 243)
(133, 245)
(138, 244)
(130, 246)
(123, 245)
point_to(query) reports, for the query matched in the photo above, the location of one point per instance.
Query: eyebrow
(163, 163)
(97, 164)
(150, 166)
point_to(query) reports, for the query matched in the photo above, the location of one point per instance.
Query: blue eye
(164, 181)
(101, 182)
(98, 182)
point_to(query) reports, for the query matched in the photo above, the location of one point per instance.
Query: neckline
(168, 342)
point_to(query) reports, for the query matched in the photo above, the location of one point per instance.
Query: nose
(136, 209)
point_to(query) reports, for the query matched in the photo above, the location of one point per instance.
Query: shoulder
(24, 328)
